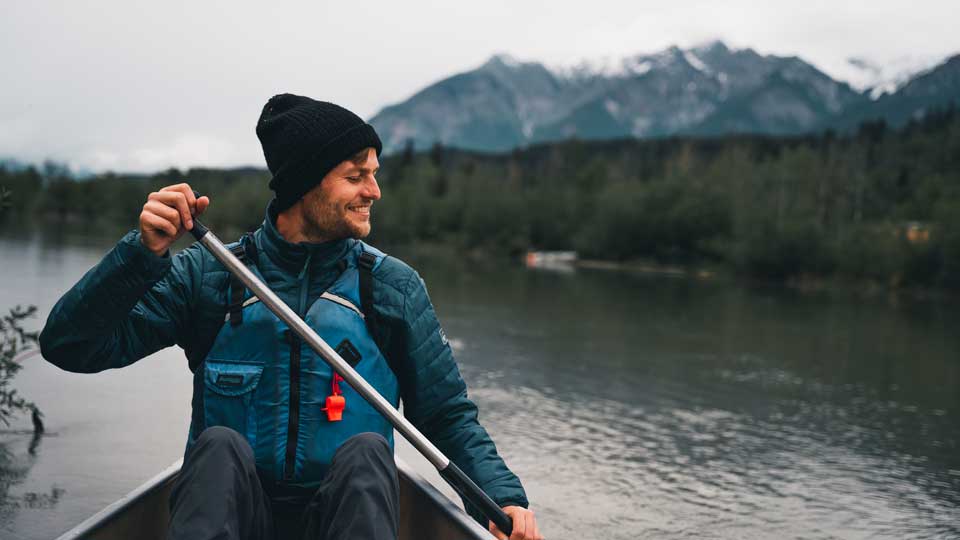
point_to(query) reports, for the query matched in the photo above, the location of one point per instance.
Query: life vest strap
(366, 263)
(236, 291)
(249, 248)
(246, 251)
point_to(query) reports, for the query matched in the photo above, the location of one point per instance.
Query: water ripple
(664, 470)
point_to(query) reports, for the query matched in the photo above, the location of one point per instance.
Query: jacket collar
(292, 257)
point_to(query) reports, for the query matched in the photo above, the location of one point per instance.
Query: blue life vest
(262, 381)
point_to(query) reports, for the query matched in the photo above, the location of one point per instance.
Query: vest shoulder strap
(367, 263)
(246, 251)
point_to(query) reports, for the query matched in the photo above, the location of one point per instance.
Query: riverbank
(806, 283)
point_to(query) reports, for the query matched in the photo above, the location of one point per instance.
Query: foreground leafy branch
(14, 343)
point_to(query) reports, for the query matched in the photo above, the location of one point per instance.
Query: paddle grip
(463, 485)
(199, 230)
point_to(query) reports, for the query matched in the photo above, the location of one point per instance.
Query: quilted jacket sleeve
(435, 400)
(128, 306)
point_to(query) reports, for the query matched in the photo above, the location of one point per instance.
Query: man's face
(339, 207)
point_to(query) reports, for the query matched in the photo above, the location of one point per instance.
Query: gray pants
(218, 495)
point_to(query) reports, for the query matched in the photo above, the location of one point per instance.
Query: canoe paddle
(457, 479)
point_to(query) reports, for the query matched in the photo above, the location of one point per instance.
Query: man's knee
(225, 441)
(217, 492)
(365, 448)
(363, 476)
(367, 442)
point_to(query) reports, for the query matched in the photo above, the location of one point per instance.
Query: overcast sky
(140, 86)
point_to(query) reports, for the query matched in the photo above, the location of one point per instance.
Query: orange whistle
(334, 408)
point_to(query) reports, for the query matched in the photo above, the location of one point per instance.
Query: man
(270, 453)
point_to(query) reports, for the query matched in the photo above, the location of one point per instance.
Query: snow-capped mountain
(878, 78)
(708, 89)
(933, 88)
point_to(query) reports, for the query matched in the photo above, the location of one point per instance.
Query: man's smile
(363, 209)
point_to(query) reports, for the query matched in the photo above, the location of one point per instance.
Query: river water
(631, 405)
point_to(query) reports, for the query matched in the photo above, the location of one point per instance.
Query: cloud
(181, 83)
(185, 151)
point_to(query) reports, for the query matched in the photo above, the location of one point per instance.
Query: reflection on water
(631, 406)
(18, 452)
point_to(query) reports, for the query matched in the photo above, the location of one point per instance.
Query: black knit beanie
(303, 139)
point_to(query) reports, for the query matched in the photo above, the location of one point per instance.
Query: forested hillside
(880, 205)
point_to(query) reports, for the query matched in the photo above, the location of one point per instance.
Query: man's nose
(371, 190)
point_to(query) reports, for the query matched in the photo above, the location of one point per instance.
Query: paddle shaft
(447, 469)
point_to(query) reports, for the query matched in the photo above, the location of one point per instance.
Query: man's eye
(353, 179)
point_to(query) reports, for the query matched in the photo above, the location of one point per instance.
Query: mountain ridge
(708, 89)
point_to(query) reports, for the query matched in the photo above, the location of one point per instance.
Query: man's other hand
(524, 525)
(167, 215)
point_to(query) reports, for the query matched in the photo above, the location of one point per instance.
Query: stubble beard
(327, 221)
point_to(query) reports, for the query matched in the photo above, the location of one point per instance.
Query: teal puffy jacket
(134, 303)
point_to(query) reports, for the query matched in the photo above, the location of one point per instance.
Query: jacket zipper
(293, 421)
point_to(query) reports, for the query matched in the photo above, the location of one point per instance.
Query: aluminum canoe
(143, 513)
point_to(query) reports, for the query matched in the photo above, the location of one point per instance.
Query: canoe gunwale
(130, 499)
(443, 503)
(465, 526)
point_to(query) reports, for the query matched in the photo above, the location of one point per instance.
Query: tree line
(876, 204)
